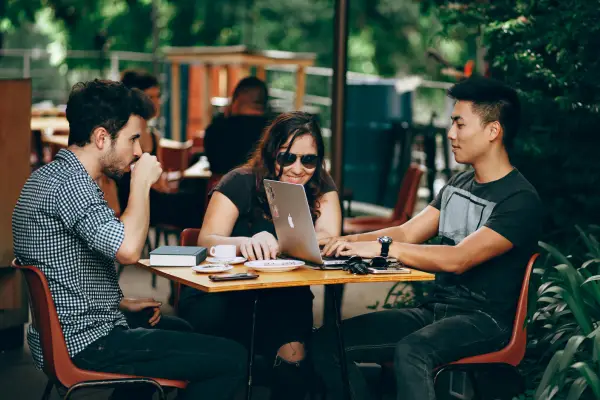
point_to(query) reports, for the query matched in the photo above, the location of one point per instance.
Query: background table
(300, 277)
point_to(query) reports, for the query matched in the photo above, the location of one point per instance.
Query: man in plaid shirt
(63, 226)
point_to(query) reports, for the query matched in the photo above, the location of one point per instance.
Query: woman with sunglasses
(291, 150)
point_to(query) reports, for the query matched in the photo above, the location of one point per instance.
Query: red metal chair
(58, 366)
(511, 355)
(403, 210)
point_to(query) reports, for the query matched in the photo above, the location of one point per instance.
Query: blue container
(371, 107)
(166, 107)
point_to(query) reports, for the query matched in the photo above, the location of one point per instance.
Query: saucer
(274, 265)
(226, 260)
(211, 268)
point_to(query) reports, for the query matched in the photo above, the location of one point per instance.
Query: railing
(53, 80)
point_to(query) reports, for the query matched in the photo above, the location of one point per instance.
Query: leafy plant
(565, 318)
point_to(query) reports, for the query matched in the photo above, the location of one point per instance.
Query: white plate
(274, 265)
(211, 268)
(226, 260)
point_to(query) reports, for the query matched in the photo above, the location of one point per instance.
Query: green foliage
(564, 320)
(387, 37)
(547, 50)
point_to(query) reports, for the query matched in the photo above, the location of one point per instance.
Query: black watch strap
(385, 249)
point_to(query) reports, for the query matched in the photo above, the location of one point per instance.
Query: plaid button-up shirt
(62, 225)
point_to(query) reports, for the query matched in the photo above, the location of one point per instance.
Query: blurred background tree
(387, 37)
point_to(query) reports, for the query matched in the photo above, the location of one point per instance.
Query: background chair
(58, 366)
(403, 210)
(189, 237)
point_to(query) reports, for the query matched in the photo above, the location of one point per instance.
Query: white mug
(223, 251)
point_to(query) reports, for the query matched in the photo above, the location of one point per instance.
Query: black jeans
(214, 367)
(417, 340)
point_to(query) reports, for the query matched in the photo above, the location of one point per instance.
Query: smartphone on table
(232, 277)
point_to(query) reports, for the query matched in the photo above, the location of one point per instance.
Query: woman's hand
(262, 246)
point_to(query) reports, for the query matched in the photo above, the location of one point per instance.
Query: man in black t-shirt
(489, 220)
(231, 138)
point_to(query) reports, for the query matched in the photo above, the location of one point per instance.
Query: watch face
(385, 240)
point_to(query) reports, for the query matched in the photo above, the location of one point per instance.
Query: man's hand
(363, 249)
(137, 305)
(146, 171)
(331, 244)
(262, 246)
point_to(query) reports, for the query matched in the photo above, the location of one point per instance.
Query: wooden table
(300, 277)
(54, 123)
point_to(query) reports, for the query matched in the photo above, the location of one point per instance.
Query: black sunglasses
(308, 160)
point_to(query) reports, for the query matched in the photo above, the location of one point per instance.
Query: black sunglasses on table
(308, 160)
(357, 265)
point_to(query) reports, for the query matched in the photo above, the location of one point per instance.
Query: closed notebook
(177, 256)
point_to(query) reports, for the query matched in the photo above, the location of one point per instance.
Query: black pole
(338, 93)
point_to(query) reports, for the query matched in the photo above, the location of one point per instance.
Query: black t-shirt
(229, 142)
(509, 206)
(239, 186)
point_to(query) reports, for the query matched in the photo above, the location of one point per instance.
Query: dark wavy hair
(287, 125)
(103, 103)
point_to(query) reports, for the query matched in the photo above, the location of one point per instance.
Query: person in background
(150, 138)
(231, 138)
(63, 226)
(169, 207)
(238, 213)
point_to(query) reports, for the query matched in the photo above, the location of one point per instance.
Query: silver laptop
(294, 225)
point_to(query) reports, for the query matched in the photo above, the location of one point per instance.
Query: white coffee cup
(223, 251)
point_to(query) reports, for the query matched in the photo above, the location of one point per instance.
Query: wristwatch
(385, 241)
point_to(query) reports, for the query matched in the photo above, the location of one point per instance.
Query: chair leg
(48, 390)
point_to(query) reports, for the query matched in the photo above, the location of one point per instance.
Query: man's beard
(112, 172)
(111, 166)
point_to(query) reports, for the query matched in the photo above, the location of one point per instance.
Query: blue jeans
(215, 367)
(417, 340)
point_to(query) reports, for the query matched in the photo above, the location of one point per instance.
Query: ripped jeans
(416, 340)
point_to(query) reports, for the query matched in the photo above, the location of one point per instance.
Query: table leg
(336, 298)
(251, 352)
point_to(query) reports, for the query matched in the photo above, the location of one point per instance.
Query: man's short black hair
(103, 103)
(138, 79)
(492, 101)
(256, 88)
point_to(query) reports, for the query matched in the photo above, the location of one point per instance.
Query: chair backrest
(514, 351)
(518, 340)
(45, 321)
(407, 197)
(174, 156)
(189, 237)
